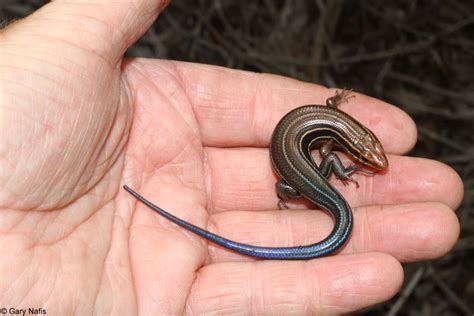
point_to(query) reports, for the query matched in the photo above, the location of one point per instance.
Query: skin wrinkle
(74, 227)
(50, 38)
(213, 107)
(287, 220)
(40, 166)
(130, 66)
(114, 157)
(63, 58)
(117, 34)
(155, 300)
(366, 189)
(424, 235)
(201, 98)
(233, 114)
(137, 14)
(50, 291)
(36, 280)
(313, 284)
(303, 288)
(109, 29)
(390, 182)
(31, 88)
(190, 128)
(194, 294)
(15, 167)
(183, 151)
(181, 75)
(103, 160)
(366, 240)
(208, 183)
(337, 288)
(141, 144)
(18, 276)
(39, 233)
(51, 64)
(68, 151)
(300, 291)
(250, 293)
(256, 283)
(177, 80)
(101, 147)
(15, 221)
(288, 291)
(101, 275)
(71, 22)
(213, 113)
(181, 175)
(191, 286)
(124, 132)
(256, 97)
(379, 214)
(195, 298)
(84, 147)
(381, 210)
(172, 157)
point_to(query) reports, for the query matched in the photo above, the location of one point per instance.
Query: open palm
(79, 122)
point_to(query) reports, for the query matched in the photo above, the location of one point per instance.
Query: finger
(409, 232)
(106, 28)
(243, 179)
(334, 285)
(239, 108)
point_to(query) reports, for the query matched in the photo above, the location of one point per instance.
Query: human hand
(79, 122)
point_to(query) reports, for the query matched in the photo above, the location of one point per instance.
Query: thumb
(104, 28)
(64, 107)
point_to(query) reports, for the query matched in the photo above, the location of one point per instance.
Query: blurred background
(418, 55)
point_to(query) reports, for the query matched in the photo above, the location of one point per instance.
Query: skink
(290, 151)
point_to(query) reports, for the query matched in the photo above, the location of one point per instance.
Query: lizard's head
(370, 151)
